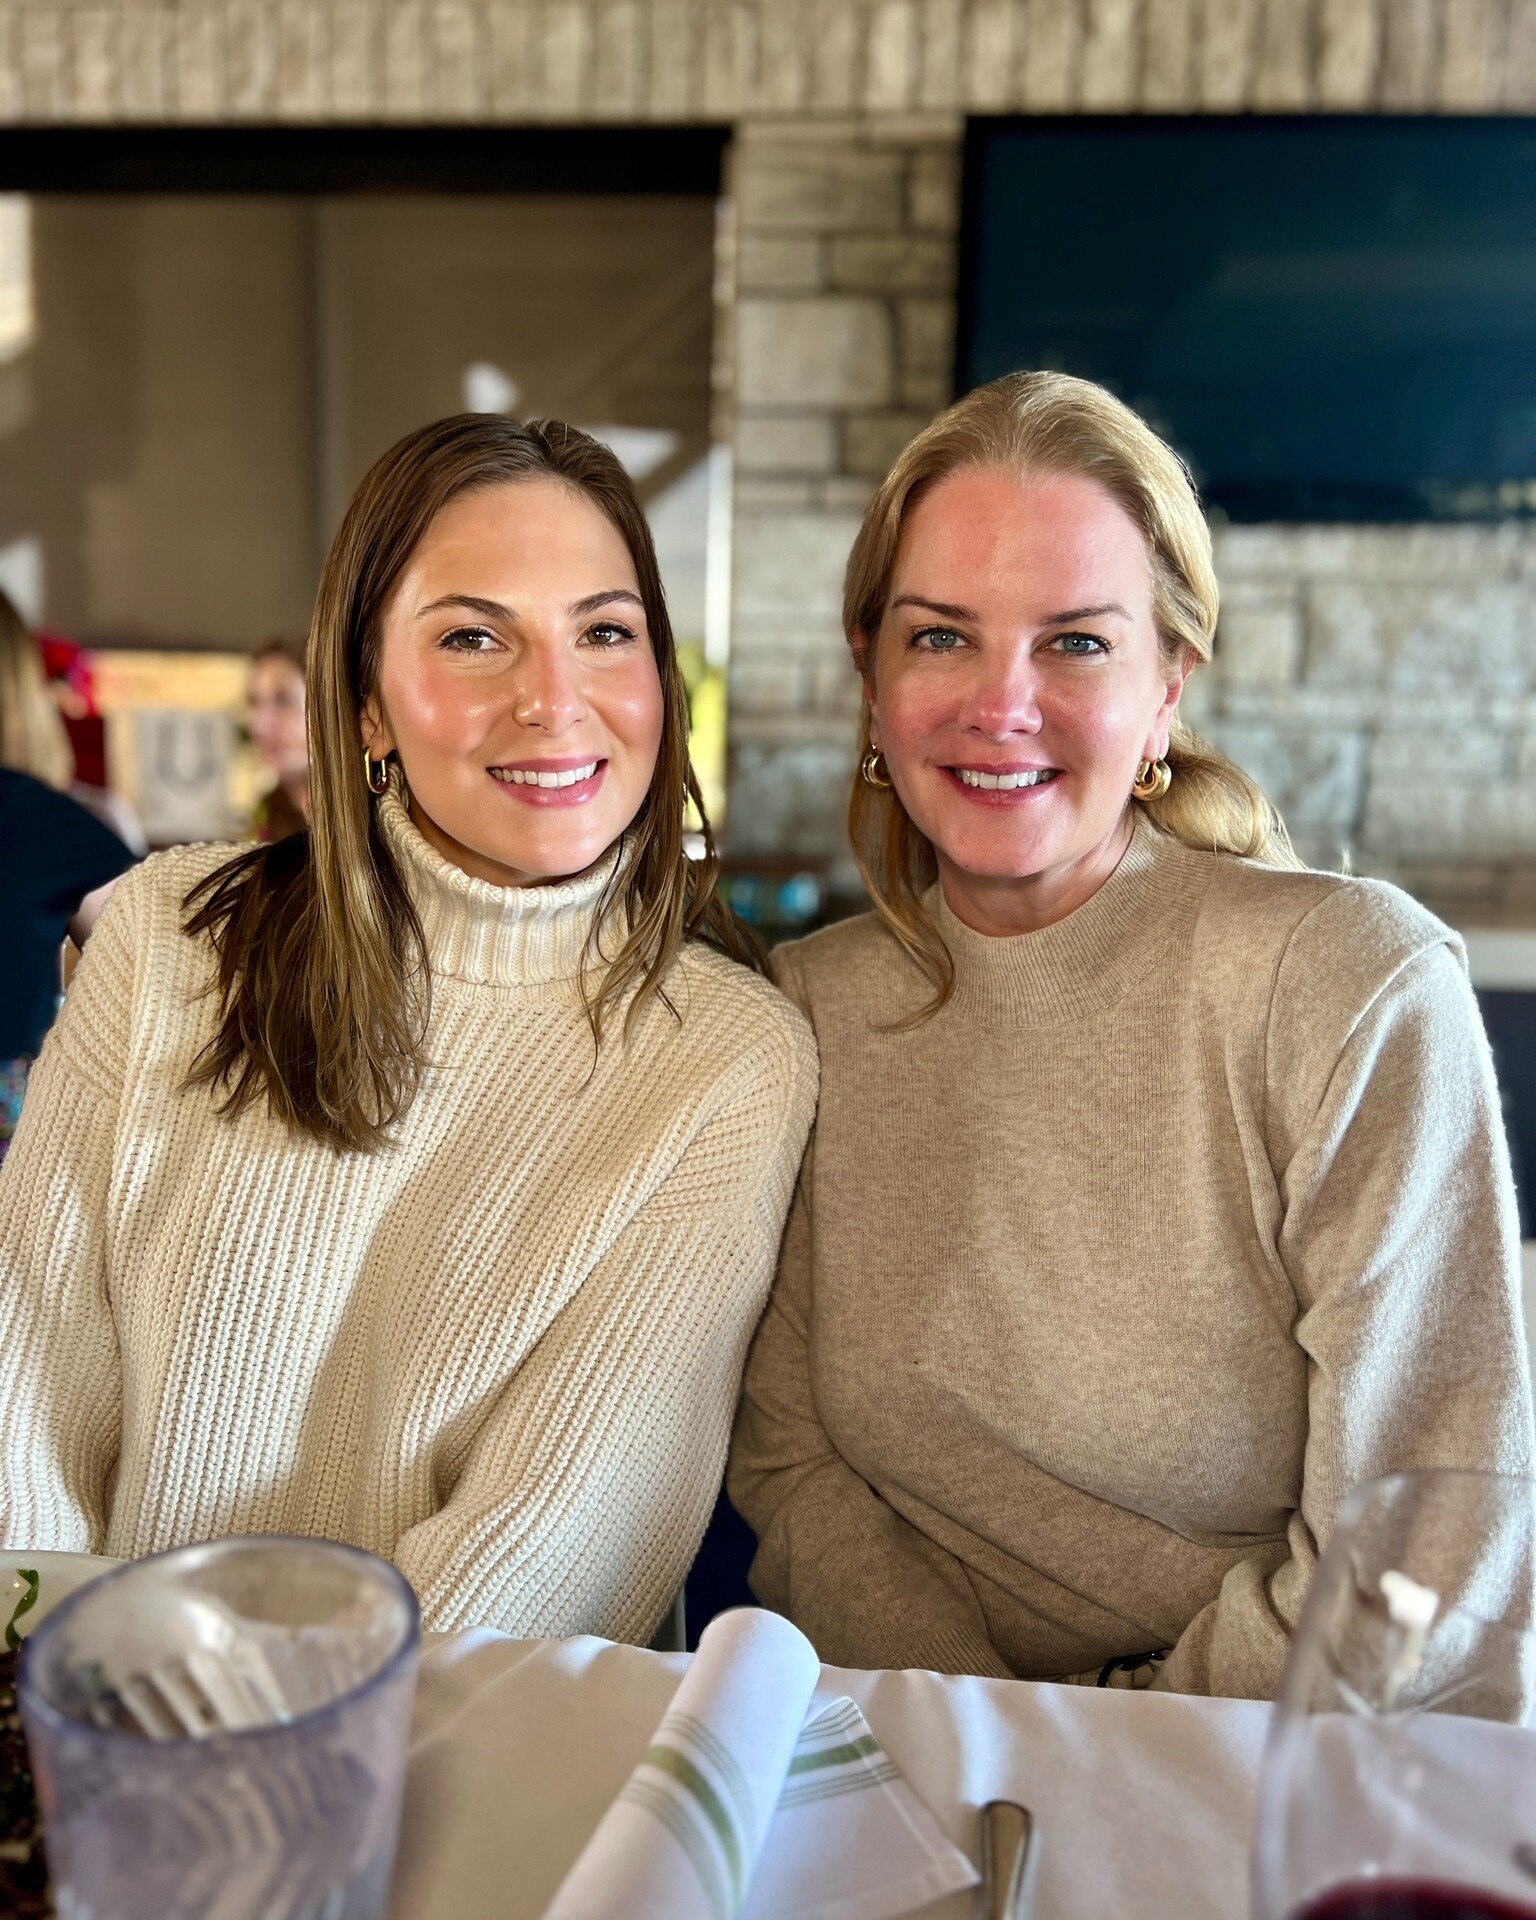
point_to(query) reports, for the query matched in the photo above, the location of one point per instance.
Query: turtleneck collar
(493, 936)
(1089, 959)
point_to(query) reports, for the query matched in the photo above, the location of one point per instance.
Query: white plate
(58, 1574)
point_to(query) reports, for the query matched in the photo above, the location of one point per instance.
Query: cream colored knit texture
(1101, 1289)
(504, 1352)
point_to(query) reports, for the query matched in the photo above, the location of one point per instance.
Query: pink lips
(578, 792)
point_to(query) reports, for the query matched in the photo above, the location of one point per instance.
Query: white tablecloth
(1143, 1802)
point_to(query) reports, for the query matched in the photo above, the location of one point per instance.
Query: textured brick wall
(1378, 682)
(844, 341)
(566, 60)
(1381, 684)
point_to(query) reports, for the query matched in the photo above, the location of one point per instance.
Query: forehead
(1025, 547)
(534, 529)
(276, 672)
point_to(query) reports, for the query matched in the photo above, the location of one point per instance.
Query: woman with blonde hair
(56, 860)
(416, 1181)
(1158, 1192)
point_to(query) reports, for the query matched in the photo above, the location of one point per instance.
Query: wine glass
(1399, 1780)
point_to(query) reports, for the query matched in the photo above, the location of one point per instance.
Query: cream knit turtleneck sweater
(1103, 1287)
(503, 1352)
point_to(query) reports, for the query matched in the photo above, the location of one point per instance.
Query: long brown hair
(1049, 424)
(323, 977)
(33, 737)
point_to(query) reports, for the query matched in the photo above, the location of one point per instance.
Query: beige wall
(162, 454)
(211, 376)
(598, 309)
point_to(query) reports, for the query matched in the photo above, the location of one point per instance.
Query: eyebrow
(1065, 619)
(497, 610)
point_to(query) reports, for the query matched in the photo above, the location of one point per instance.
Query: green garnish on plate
(24, 1605)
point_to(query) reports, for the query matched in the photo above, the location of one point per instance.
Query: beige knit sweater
(1101, 1288)
(504, 1352)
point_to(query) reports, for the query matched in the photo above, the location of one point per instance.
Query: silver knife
(1006, 1858)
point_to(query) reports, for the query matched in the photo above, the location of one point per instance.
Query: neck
(488, 932)
(1000, 908)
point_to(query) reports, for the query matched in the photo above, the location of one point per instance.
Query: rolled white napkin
(748, 1802)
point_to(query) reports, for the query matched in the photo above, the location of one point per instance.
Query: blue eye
(936, 640)
(1082, 645)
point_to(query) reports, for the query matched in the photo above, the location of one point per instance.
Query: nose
(547, 693)
(1002, 695)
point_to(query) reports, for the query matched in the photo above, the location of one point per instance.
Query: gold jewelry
(1153, 779)
(872, 770)
(376, 772)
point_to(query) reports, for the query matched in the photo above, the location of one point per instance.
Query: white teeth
(1004, 782)
(531, 777)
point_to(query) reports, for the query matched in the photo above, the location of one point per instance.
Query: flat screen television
(1332, 319)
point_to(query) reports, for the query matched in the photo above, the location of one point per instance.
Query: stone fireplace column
(842, 347)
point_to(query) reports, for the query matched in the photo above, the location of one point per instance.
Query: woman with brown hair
(417, 1181)
(1158, 1192)
(274, 719)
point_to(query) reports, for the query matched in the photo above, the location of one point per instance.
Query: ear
(377, 738)
(862, 647)
(1162, 721)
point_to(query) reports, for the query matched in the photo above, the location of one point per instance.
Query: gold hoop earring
(872, 770)
(1153, 779)
(376, 772)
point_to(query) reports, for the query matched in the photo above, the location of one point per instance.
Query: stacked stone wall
(1380, 683)
(844, 346)
(688, 60)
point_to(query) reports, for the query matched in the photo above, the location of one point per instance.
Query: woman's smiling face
(518, 684)
(1015, 682)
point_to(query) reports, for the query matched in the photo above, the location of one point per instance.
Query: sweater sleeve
(60, 1373)
(1399, 1237)
(586, 1494)
(863, 1585)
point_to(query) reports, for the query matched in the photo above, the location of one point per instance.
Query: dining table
(1143, 1801)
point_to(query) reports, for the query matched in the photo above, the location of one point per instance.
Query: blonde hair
(1050, 424)
(323, 977)
(33, 737)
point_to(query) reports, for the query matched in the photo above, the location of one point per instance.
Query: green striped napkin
(755, 1801)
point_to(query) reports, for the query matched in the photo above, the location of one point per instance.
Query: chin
(550, 863)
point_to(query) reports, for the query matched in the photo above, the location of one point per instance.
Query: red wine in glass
(1383, 1899)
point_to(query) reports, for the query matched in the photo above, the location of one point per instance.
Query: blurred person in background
(417, 1181)
(71, 681)
(57, 861)
(275, 720)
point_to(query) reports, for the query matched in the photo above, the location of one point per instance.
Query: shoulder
(845, 960)
(1319, 931)
(1320, 959)
(156, 889)
(748, 1023)
(145, 916)
(39, 819)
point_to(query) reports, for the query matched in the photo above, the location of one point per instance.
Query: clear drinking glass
(295, 1819)
(1399, 1781)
